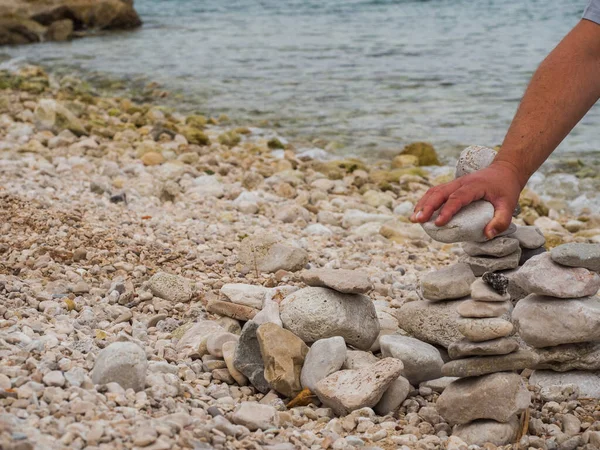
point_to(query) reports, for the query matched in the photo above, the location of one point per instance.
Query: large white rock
(421, 361)
(325, 357)
(315, 313)
(467, 225)
(124, 363)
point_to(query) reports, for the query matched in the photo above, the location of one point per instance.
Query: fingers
(501, 220)
(457, 200)
(432, 200)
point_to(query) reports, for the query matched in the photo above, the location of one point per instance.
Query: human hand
(500, 184)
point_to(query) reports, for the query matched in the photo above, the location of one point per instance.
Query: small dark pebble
(517, 210)
(214, 411)
(496, 281)
(118, 198)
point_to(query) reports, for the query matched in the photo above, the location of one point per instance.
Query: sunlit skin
(562, 90)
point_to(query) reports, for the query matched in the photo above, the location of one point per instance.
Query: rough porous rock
(577, 255)
(588, 384)
(170, 287)
(283, 355)
(482, 264)
(498, 282)
(474, 158)
(123, 363)
(529, 237)
(498, 396)
(349, 390)
(393, 397)
(265, 253)
(421, 361)
(541, 275)
(481, 365)
(341, 280)
(497, 247)
(357, 359)
(467, 225)
(478, 330)
(481, 432)
(325, 357)
(315, 313)
(193, 342)
(483, 309)
(448, 283)
(248, 358)
(465, 348)
(432, 322)
(256, 416)
(546, 321)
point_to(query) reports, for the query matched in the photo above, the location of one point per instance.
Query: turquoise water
(369, 74)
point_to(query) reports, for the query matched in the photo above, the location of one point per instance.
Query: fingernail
(493, 233)
(419, 215)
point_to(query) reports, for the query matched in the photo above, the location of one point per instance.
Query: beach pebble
(474, 158)
(404, 209)
(356, 218)
(266, 253)
(393, 397)
(529, 237)
(483, 309)
(486, 432)
(349, 390)
(448, 283)
(498, 396)
(341, 280)
(54, 378)
(248, 358)
(421, 361)
(124, 363)
(465, 348)
(170, 287)
(255, 416)
(214, 343)
(541, 275)
(193, 340)
(325, 357)
(577, 255)
(478, 330)
(481, 365)
(228, 350)
(315, 313)
(467, 225)
(482, 292)
(498, 247)
(482, 264)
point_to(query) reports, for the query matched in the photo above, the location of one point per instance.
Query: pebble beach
(137, 244)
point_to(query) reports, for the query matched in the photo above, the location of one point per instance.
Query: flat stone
(357, 359)
(283, 355)
(541, 275)
(245, 294)
(341, 280)
(448, 283)
(577, 255)
(562, 358)
(498, 247)
(393, 397)
(170, 287)
(481, 365)
(498, 396)
(481, 432)
(193, 342)
(235, 311)
(214, 343)
(478, 330)
(265, 253)
(248, 358)
(467, 225)
(439, 384)
(587, 383)
(529, 237)
(255, 416)
(432, 322)
(465, 348)
(325, 357)
(474, 158)
(421, 361)
(498, 282)
(349, 390)
(528, 253)
(315, 313)
(124, 363)
(229, 355)
(546, 321)
(481, 309)
(482, 264)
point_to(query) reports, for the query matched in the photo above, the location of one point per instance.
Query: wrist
(519, 174)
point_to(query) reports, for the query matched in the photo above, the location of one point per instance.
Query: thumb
(501, 220)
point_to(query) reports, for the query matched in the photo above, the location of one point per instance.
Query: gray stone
(514, 288)
(421, 361)
(529, 237)
(264, 253)
(498, 396)
(577, 255)
(474, 158)
(481, 309)
(482, 264)
(393, 397)
(341, 280)
(588, 384)
(248, 358)
(255, 416)
(547, 321)
(349, 390)
(481, 365)
(439, 384)
(325, 357)
(467, 225)
(194, 339)
(357, 359)
(170, 287)
(541, 275)
(562, 358)
(432, 322)
(478, 330)
(214, 343)
(124, 363)
(465, 348)
(498, 247)
(448, 283)
(528, 253)
(315, 313)
(481, 432)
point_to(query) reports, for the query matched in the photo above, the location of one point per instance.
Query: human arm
(564, 87)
